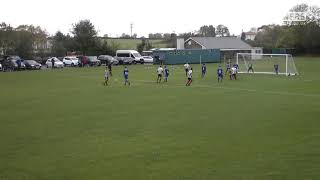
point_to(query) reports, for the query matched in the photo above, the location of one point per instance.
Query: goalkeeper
(250, 68)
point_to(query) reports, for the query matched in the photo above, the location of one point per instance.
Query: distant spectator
(52, 62)
(18, 61)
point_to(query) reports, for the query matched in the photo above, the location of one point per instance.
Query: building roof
(251, 33)
(221, 42)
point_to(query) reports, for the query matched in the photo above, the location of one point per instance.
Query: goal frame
(254, 54)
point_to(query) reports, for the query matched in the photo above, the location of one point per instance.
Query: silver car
(57, 63)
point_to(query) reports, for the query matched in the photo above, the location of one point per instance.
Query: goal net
(266, 64)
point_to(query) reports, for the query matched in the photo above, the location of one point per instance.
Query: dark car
(94, 61)
(106, 59)
(10, 63)
(32, 64)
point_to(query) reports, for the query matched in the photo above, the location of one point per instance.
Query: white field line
(239, 89)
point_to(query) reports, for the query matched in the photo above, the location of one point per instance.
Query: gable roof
(220, 42)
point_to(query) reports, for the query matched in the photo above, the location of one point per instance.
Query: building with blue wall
(192, 56)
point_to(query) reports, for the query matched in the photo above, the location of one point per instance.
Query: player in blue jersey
(126, 76)
(228, 68)
(276, 68)
(166, 73)
(220, 74)
(203, 70)
(236, 66)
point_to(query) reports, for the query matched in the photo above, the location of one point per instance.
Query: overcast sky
(113, 17)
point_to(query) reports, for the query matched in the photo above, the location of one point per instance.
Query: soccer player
(186, 68)
(189, 77)
(126, 76)
(110, 68)
(276, 68)
(166, 73)
(159, 72)
(203, 70)
(234, 73)
(220, 74)
(228, 68)
(236, 66)
(106, 77)
(250, 68)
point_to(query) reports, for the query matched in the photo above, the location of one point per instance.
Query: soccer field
(65, 125)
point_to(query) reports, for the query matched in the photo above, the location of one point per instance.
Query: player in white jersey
(186, 68)
(234, 73)
(106, 76)
(189, 74)
(160, 73)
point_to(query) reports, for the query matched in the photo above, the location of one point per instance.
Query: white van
(135, 55)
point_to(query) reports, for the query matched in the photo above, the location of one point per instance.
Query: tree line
(301, 36)
(29, 41)
(22, 40)
(203, 31)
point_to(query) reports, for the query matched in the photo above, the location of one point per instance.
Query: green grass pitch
(64, 124)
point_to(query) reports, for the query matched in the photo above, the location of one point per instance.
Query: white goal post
(282, 64)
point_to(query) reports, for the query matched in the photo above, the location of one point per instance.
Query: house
(251, 35)
(222, 43)
(228, 46)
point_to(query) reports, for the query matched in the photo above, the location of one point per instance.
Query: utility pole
(131, 27)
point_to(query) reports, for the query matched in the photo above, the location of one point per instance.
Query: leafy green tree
(85, 35)
(59, 44)
(222, 31)
(207, 31)
(312, 14)
(7, 41)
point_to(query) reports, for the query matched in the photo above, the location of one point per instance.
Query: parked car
(135, 55)
(94, 61)
(106, 59)
(32, 64)
(57, 63)
(10, 63)
(125, 60)
(70, 61)
(147, 59)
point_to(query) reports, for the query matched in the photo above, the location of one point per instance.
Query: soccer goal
(266, 64)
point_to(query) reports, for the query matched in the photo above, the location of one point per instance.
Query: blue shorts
(220, 75)
(126, 77)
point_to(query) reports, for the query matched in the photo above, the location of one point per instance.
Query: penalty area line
(237, 89)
